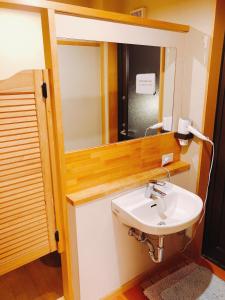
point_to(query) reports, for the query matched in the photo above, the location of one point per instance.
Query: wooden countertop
(99, 191)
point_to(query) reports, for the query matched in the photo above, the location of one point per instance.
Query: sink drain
(161, 223)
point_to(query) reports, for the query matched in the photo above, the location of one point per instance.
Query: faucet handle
(157, 182)
(161, 193)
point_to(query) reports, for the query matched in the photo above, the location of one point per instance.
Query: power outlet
(167, 158)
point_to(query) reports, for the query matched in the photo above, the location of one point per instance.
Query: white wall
(197, 48)
(169, 81)
(79, 70)
(196, 13)
(107, 256)
(200, 16)
(21, 42)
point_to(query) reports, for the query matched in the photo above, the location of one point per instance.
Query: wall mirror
(114, 92)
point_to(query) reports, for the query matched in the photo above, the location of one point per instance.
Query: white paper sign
(145, 84)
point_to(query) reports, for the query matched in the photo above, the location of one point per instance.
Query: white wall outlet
(167, 158)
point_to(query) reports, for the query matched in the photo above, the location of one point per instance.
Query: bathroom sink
(174, 212)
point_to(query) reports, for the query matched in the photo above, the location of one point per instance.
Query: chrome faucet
(154, 191)
(158, 191)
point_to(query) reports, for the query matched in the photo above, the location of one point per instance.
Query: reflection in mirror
(114, 92)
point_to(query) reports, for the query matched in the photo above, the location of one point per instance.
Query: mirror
(114, 92)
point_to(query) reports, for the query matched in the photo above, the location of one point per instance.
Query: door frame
(211, 228)
(209, 117)
(161, 82)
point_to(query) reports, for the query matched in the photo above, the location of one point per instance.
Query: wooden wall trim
(112, 92)
(126, 183)
(57, 147)
(45, 156)
(161, 82)
(93, 14)
(210, 111)
(102, 91)
(104, 164)
(211, 266)
(54, 103)
(64, 42)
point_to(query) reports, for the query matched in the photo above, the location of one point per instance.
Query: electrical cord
(168, 172)
(206, 197)
(146, 131)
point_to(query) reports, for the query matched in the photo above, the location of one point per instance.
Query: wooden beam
(113, 92)
(57, 147)
(102, 87)
(91, 13)
(123, 184)
(161, 82)
(78, 43)
(117, 161)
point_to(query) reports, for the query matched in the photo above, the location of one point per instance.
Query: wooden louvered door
(27, 221)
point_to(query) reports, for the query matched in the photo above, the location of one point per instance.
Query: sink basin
(178, 210)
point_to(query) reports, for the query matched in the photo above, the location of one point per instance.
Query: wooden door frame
(112, 75)
(209, 114)
(91, 13)
(214, 208)
(64, 42)
(161, 82)
(51, 62)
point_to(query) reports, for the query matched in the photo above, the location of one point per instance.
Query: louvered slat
(20, 209)
(18, 230)
(17, 114)
(11, 96)
(5, 109)
(21, 182)
(19, 172)
(26, 211)
(18, 125)
(7, 103)
(19, 202)
(18, 120)
(18, 137)
(35, 188)
(22, 235)
(26, 245)
(23, 223)
(26, 157)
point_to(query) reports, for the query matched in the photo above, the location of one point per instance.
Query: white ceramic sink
(176, 211)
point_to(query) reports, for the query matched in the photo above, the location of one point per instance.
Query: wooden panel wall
(27, 222)
(87, 168)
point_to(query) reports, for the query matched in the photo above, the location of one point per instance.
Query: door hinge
(57, 236)
(44, 90)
